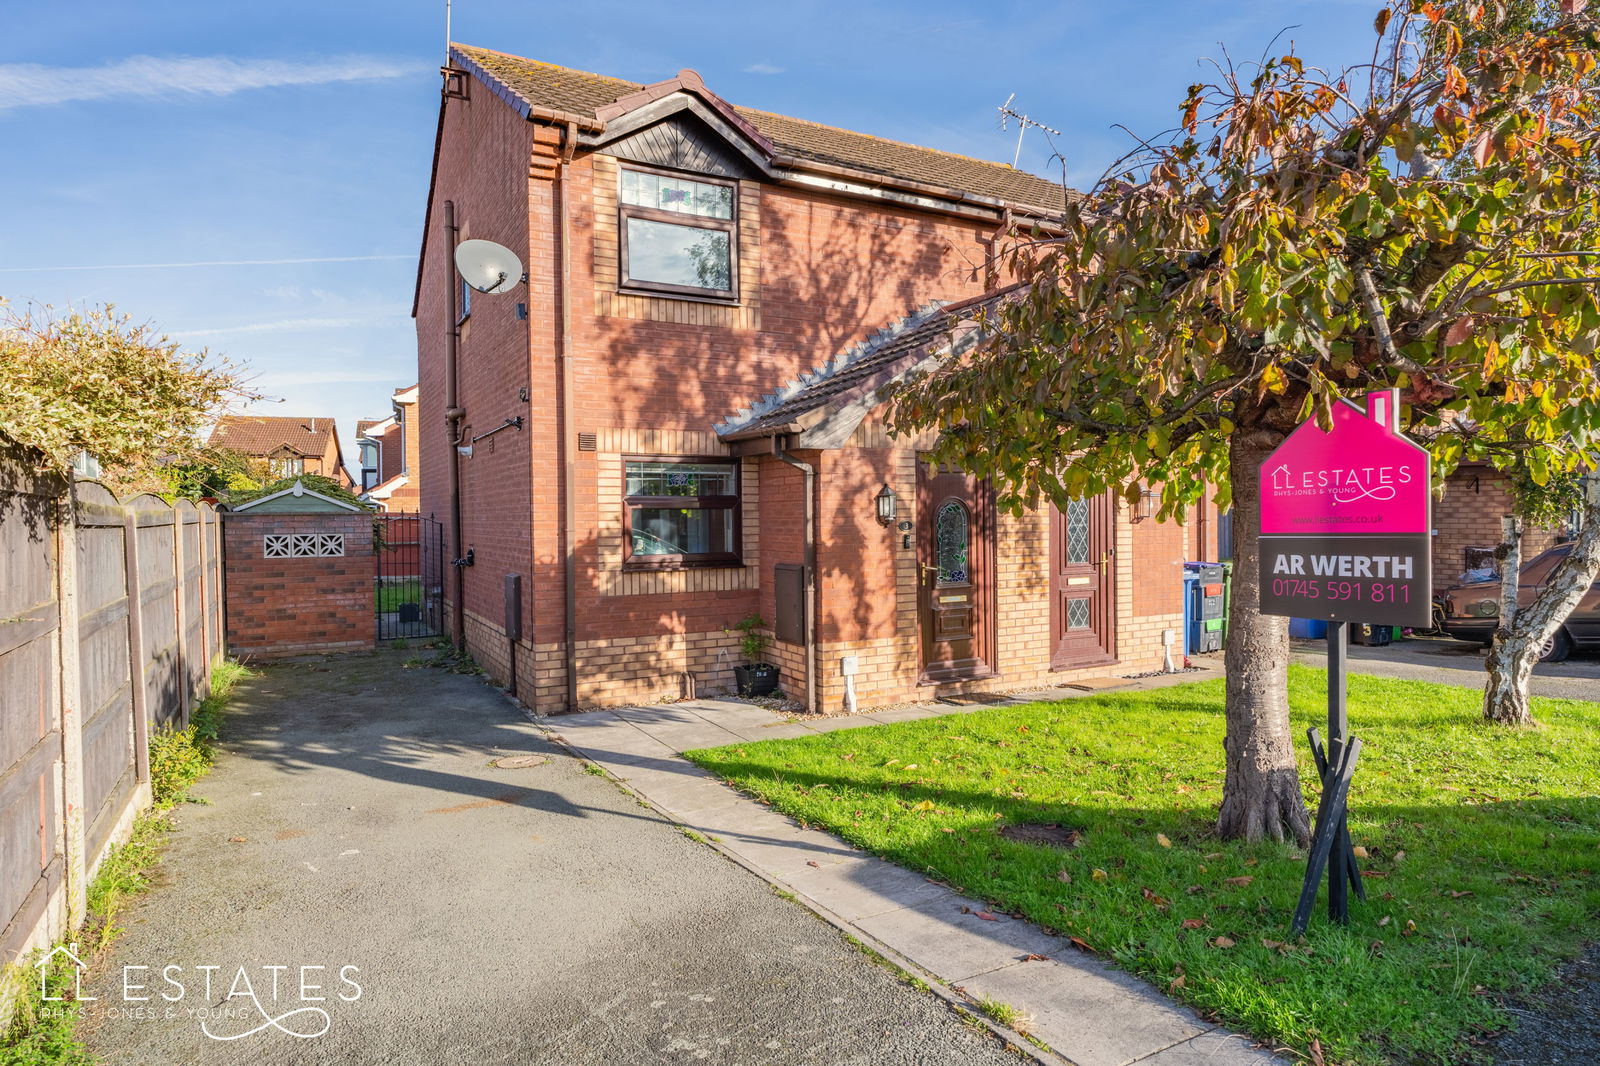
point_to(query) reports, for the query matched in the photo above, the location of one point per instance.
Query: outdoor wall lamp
(886, 502)
(1147, 504)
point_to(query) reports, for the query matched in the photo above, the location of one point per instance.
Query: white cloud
(283, 325)
(34, 84)
(763, 68)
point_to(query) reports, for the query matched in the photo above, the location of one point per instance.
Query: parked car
(1471, 612)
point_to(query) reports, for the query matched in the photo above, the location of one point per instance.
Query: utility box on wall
(789, 592)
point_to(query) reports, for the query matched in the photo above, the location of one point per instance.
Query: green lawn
(390, 595)
(1482, 844)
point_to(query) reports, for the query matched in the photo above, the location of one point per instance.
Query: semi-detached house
(675, 423)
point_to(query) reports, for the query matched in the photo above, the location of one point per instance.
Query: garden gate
(408, 587)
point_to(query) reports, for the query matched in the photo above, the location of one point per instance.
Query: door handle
(927, 569)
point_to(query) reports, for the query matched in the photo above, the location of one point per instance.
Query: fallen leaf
(1359, 852)
(1383, 921)
(1177, 983)
(911, 766)
(1161, 838)
(1155, 900)
(1410, 929)
(1194, 923)
(925, 805)
(986, 916)
(1222, 942)
(946, 829)
(1238, 882)
(1099, 874)
(1214, 855)
(1202, 868)
(1271, 945)
(236, 840)
(1035, 958)
(1064, 877)
(1316, 1045)
(1194, 890)
(813, 862)
(1399, 855)
(1081, 944)
(1457, 895)
(1251, 862)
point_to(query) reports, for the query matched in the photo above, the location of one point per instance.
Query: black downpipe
(813, 698)
(453, 414)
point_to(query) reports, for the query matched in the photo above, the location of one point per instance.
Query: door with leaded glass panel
(956, 566)
(1083, 611)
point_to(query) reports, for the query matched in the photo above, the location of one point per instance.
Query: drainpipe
(813, 626)
(569, 504)
(453, 414)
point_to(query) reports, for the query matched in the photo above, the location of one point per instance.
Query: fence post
(136, 654)
(71, 700)
(205, 599)
(185, 697)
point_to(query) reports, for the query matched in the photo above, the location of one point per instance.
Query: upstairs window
(681, 512)
(678, 234)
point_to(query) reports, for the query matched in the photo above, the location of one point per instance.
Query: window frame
(730, 226)
(684, 561)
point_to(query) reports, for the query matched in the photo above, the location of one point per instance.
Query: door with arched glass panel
(1083, 602)
(955, 567)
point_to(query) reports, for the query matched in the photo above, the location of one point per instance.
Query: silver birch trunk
(1520, 640)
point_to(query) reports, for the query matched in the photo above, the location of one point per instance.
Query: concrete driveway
(528, 915)
(1454, 662)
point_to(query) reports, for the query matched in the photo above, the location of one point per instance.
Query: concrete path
(1087, 1012)
(531, 915)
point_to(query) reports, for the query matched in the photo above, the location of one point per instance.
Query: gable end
(682, 142)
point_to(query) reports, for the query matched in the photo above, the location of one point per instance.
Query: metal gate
(408, 588)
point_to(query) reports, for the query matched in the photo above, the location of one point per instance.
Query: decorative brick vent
(302, 545)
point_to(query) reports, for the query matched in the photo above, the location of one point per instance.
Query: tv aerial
(489, 267)
(1008, 113)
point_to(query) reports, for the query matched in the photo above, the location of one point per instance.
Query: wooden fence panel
(32, 833)
(191, 559)
(105, 679)
(158, 611)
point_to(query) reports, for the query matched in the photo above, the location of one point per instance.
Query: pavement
(1083, 1010)
(536, 914)
(1455, 662)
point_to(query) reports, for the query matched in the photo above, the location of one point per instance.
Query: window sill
(635, 566)
(658, 294)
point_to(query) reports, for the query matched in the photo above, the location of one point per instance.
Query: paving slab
(948, 938)
(1092, 1014)
(1211, 1048)
(856, 888)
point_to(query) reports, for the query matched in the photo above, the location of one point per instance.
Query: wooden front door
(1083, 600)
(956, 559)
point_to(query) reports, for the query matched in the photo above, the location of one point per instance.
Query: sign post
(1345, 537)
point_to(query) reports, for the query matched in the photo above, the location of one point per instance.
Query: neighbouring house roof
(823, 407)
(261, 435)
(558, 94)
(384, 490)
(363, 425)
(406, 395)
(296, 498)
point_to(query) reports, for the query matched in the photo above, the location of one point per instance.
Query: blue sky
(228, 133)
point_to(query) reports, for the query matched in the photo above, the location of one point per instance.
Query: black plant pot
(756, 679)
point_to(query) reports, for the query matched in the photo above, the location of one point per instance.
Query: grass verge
(44, 1033)
(1482, 844)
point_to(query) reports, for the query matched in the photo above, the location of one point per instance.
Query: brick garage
(306, 600)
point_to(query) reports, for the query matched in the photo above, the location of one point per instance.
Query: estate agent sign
(1345, 520)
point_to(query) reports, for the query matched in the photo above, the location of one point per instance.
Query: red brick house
(389, 453)
(288, 445)
(675, 422)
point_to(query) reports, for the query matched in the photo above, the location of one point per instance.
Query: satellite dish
(488, 267)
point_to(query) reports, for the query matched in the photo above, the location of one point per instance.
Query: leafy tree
(1426, 220)
(97, 382)
(215, 472)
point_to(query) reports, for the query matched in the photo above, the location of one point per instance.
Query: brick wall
(1468, 516)
(296, 606)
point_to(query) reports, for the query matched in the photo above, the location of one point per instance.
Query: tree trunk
(1261, 793)
(1519, 640)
